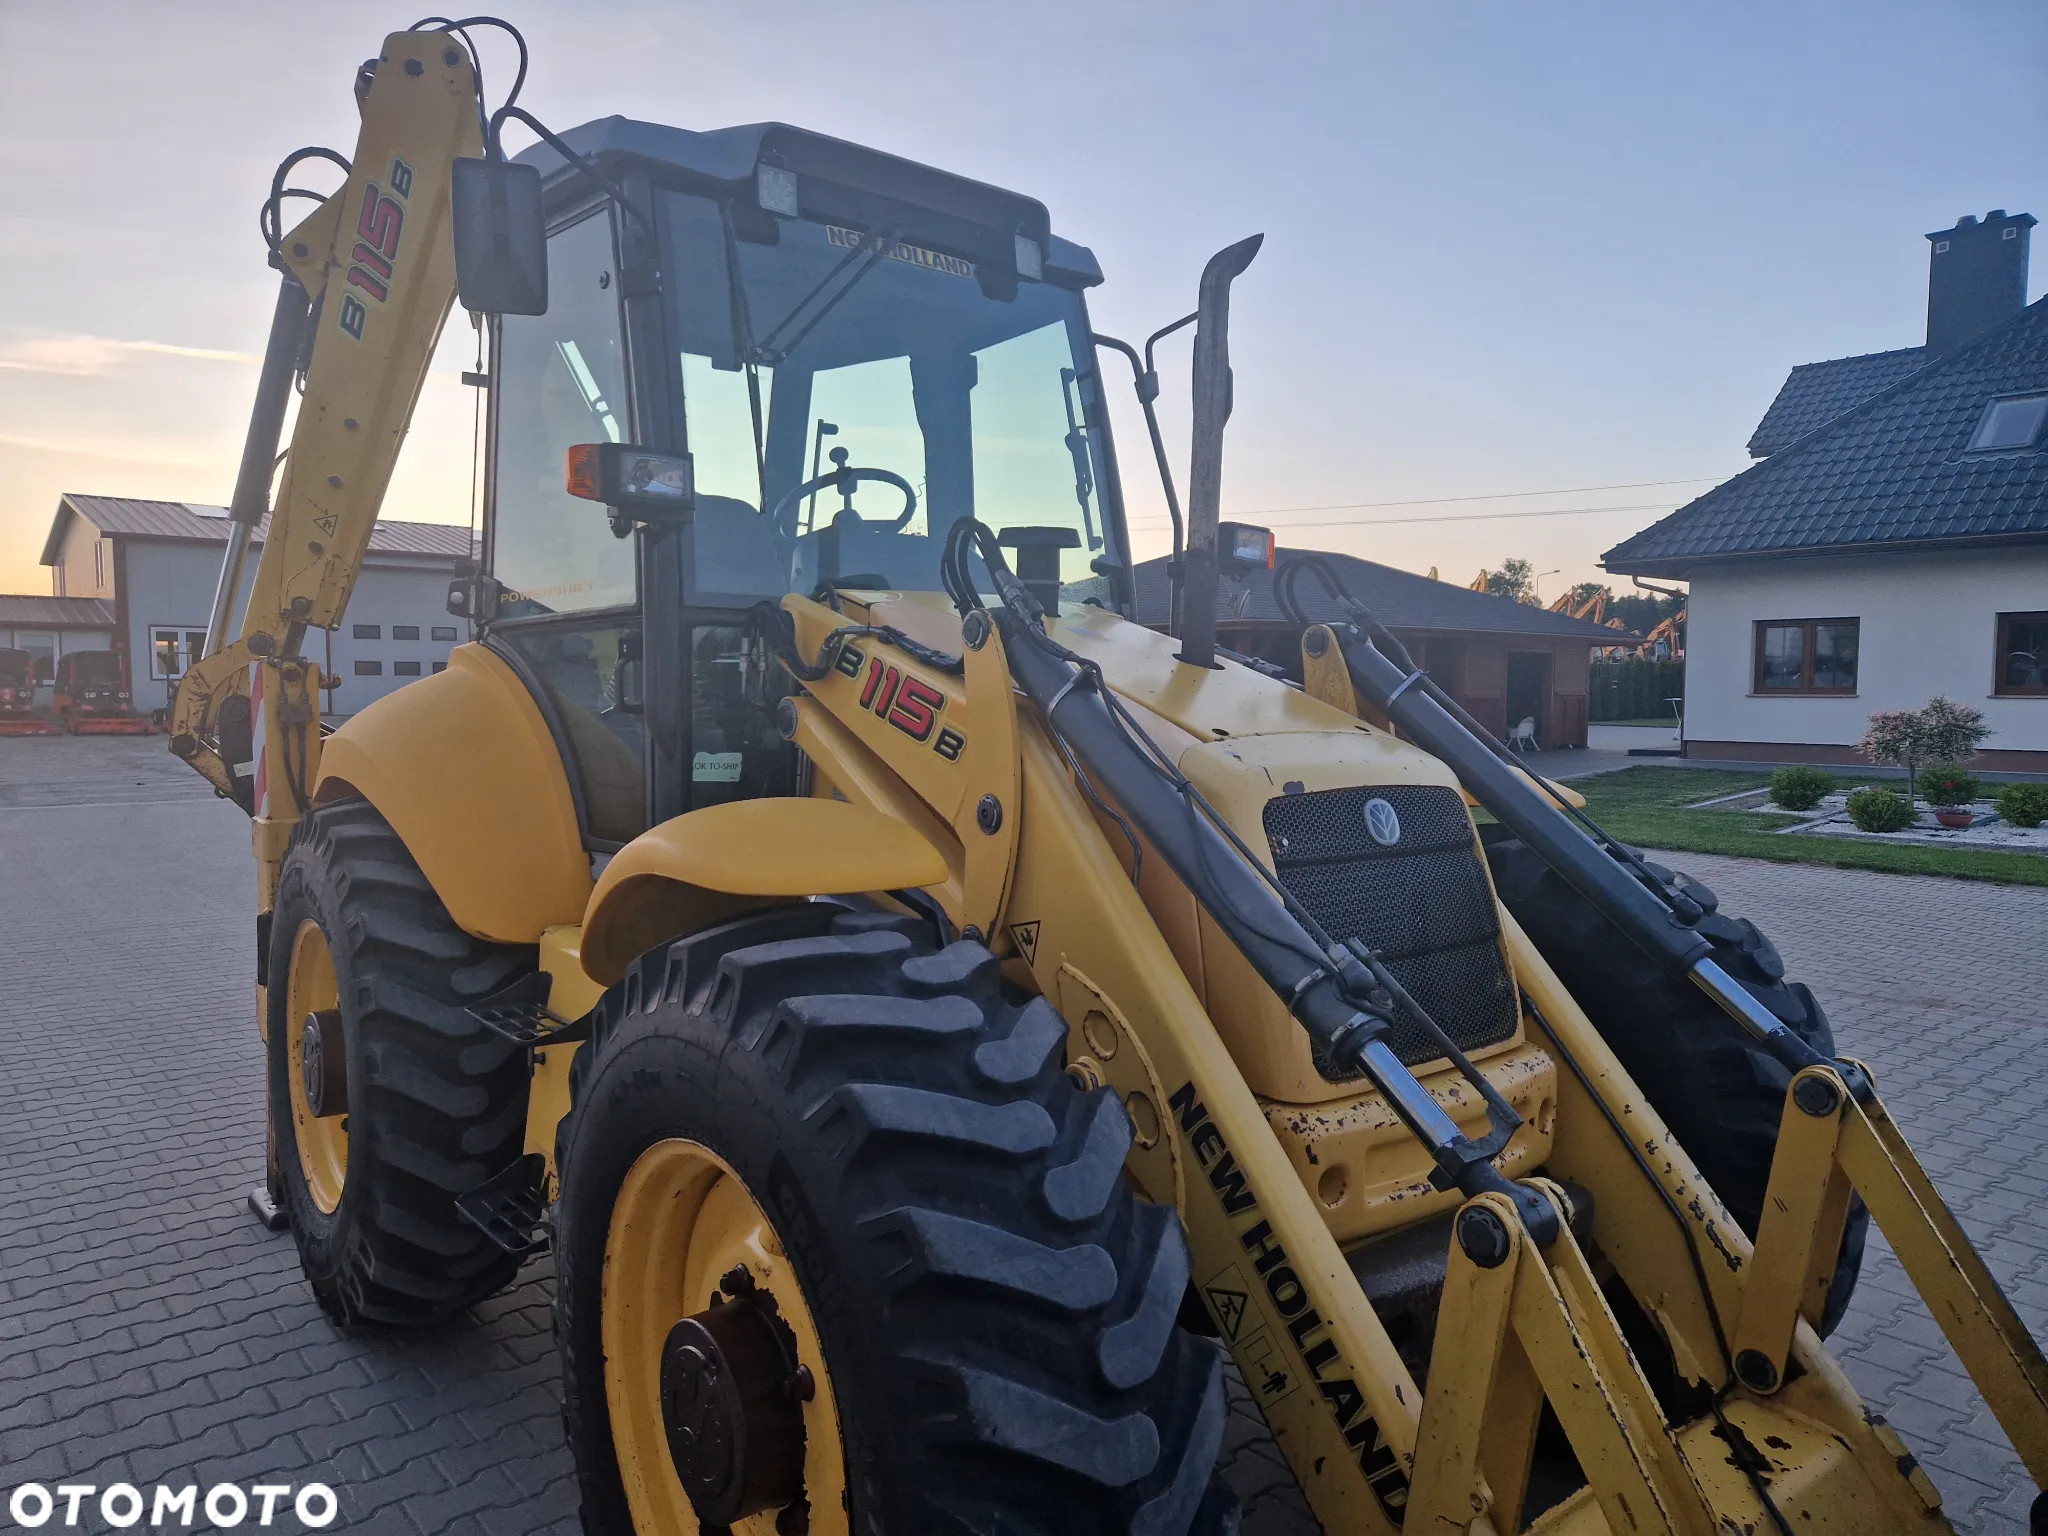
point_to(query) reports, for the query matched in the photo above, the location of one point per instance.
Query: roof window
(2009, 424)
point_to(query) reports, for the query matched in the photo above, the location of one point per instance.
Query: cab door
(567, 609)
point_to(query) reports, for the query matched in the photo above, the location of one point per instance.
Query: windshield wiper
(1077, 446)
(772, 354)
(743, 343)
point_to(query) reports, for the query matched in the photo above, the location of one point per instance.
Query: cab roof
(728, 159)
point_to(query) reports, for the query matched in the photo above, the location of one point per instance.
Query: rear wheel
(1717, 1089)
(387, 1100)
(857, 1167)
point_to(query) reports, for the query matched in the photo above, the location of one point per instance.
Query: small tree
(1941, 730)
(1516, 578)
(1950, 731)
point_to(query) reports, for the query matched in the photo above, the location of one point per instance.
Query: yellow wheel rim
(682, 1220)
(322, 1141)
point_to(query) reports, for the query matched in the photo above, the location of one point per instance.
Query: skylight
(2011, 424)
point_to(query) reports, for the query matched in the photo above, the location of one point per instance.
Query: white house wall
(171, 586)
(1928, 626)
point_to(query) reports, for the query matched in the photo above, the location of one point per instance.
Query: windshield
(805, 346)
(15, 664)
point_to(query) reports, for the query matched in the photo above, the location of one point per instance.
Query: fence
(1633, 689)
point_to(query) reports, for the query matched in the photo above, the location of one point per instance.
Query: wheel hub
(731, 1404)
(323, 1063)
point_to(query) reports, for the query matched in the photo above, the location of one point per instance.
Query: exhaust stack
(1205, 471)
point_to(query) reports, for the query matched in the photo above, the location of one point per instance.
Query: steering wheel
(782, 518)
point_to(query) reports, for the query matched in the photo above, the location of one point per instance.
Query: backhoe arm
(374, 272)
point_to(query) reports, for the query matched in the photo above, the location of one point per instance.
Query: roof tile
(26, 609)
(1893, 469)
(200, 523)
(1814, 394)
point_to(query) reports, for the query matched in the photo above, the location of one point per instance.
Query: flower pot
(1953, 817)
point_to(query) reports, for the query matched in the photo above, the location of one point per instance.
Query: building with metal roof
(1893, 541)
(137, 577)
(1504, 661)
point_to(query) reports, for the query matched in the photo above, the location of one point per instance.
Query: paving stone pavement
(150, 1332)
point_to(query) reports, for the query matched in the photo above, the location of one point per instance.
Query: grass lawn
(1644, 806)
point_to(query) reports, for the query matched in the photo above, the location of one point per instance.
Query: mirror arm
(495, 149)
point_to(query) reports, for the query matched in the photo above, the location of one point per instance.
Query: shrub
(1800, 789)
(1940, 731)
(2023, 805)
(1948, 784)
(1880, 810)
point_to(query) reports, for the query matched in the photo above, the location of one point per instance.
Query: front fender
(465, 769)
(705, 866)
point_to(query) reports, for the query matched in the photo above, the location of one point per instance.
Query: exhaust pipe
(1205, 470)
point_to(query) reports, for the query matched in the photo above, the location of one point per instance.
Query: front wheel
(842, 1247)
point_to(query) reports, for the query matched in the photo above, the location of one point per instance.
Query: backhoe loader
(934, 1020)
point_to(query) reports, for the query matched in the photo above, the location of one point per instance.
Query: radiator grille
(1424, 904)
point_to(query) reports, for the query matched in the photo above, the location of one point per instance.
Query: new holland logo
(1383, 822)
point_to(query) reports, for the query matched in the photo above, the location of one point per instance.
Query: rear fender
(465, 769)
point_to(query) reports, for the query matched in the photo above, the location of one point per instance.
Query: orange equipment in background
(92, 696)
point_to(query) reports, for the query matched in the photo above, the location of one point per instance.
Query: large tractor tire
(838, 1233)
(387, 1100)
(1720, 1092)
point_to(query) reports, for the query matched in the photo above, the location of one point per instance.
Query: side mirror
(501, 238)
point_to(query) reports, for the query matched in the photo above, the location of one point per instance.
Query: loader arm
(370, 277)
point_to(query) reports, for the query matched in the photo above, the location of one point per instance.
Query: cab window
(560, 380)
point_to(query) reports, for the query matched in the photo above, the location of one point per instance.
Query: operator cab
(855, 352)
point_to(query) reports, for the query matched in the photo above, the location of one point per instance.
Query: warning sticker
(1267, 1369)
(1026, 937)
(1229, 1309)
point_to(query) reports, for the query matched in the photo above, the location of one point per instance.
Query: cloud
(165, 454)
(94, 356)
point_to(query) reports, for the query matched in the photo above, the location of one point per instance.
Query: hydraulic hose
(1322, 986)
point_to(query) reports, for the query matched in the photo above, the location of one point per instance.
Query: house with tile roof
(1892, 542)
(145, 571)
(1504, 661)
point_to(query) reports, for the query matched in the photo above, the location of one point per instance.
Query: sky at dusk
(1569, 248)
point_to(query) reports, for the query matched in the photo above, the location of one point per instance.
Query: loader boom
(370, 277)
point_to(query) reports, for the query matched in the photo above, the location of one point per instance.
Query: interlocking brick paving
(151, 1332)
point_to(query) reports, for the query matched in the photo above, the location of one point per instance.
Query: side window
(559, 380)
(591, 679)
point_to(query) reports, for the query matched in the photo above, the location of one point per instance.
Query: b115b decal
(903, 699)
(374, 258)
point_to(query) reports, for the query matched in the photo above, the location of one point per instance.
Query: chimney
(1976, 277)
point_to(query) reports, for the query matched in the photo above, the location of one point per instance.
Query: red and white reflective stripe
(260, 736)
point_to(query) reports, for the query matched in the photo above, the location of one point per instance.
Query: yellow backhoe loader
(933, 1019)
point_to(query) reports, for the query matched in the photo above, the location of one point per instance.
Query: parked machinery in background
(18, 715)
(91, 696)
